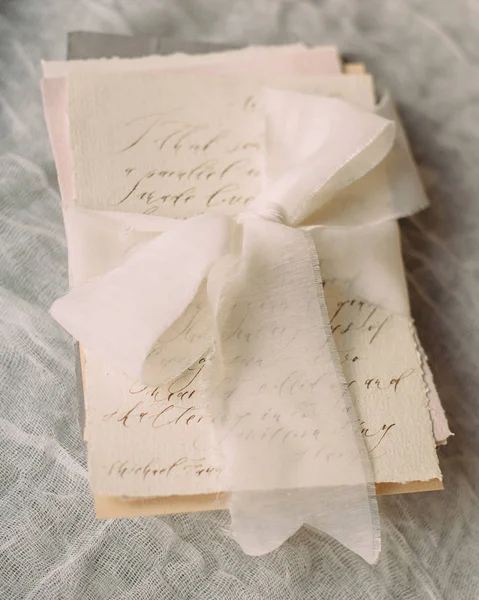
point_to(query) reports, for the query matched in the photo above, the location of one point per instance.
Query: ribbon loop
(305, 173)
(156, 297)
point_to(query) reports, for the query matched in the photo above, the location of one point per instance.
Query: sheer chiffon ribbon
(244, 294)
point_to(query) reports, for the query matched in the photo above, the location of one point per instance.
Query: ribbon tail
(291, 453)
(149, 316)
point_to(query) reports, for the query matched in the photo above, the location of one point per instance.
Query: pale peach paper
(273, 60)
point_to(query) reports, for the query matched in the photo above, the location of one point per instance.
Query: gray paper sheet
(83, 45)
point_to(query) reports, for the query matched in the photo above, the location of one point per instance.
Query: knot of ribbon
(272, 212)
(246, 293)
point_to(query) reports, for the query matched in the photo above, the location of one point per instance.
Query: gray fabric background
(51, 547)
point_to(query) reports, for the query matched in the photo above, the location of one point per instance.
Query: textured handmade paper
(264, 309)
(55, 101)
(284, 61)
(398, 433)
(221, 148)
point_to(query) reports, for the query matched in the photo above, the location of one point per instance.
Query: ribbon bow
(246, 293)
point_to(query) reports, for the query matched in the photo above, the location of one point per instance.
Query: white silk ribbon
(246, 294)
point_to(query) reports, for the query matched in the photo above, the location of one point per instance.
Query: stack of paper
(179, 135)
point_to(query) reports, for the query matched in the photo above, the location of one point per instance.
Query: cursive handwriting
(174, 135)
(349, 356)
(228, 194)
(153, 468)
(178, 390)
(381, 384)
(159, 415)
(203, 171)
(147, 124)
(358, 315)
(378, 435)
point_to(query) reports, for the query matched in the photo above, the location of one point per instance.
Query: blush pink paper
(55, 103)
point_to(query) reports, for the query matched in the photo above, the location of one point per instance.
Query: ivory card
(125, 420)
(222, 151)
(285, 60)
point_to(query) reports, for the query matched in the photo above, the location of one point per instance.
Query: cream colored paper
(404, 162)
(269, 322)
(259, 61)
(300, 60)
(390, 466)
(219, 154)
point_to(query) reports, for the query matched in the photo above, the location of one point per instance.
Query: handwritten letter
(140, 144)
